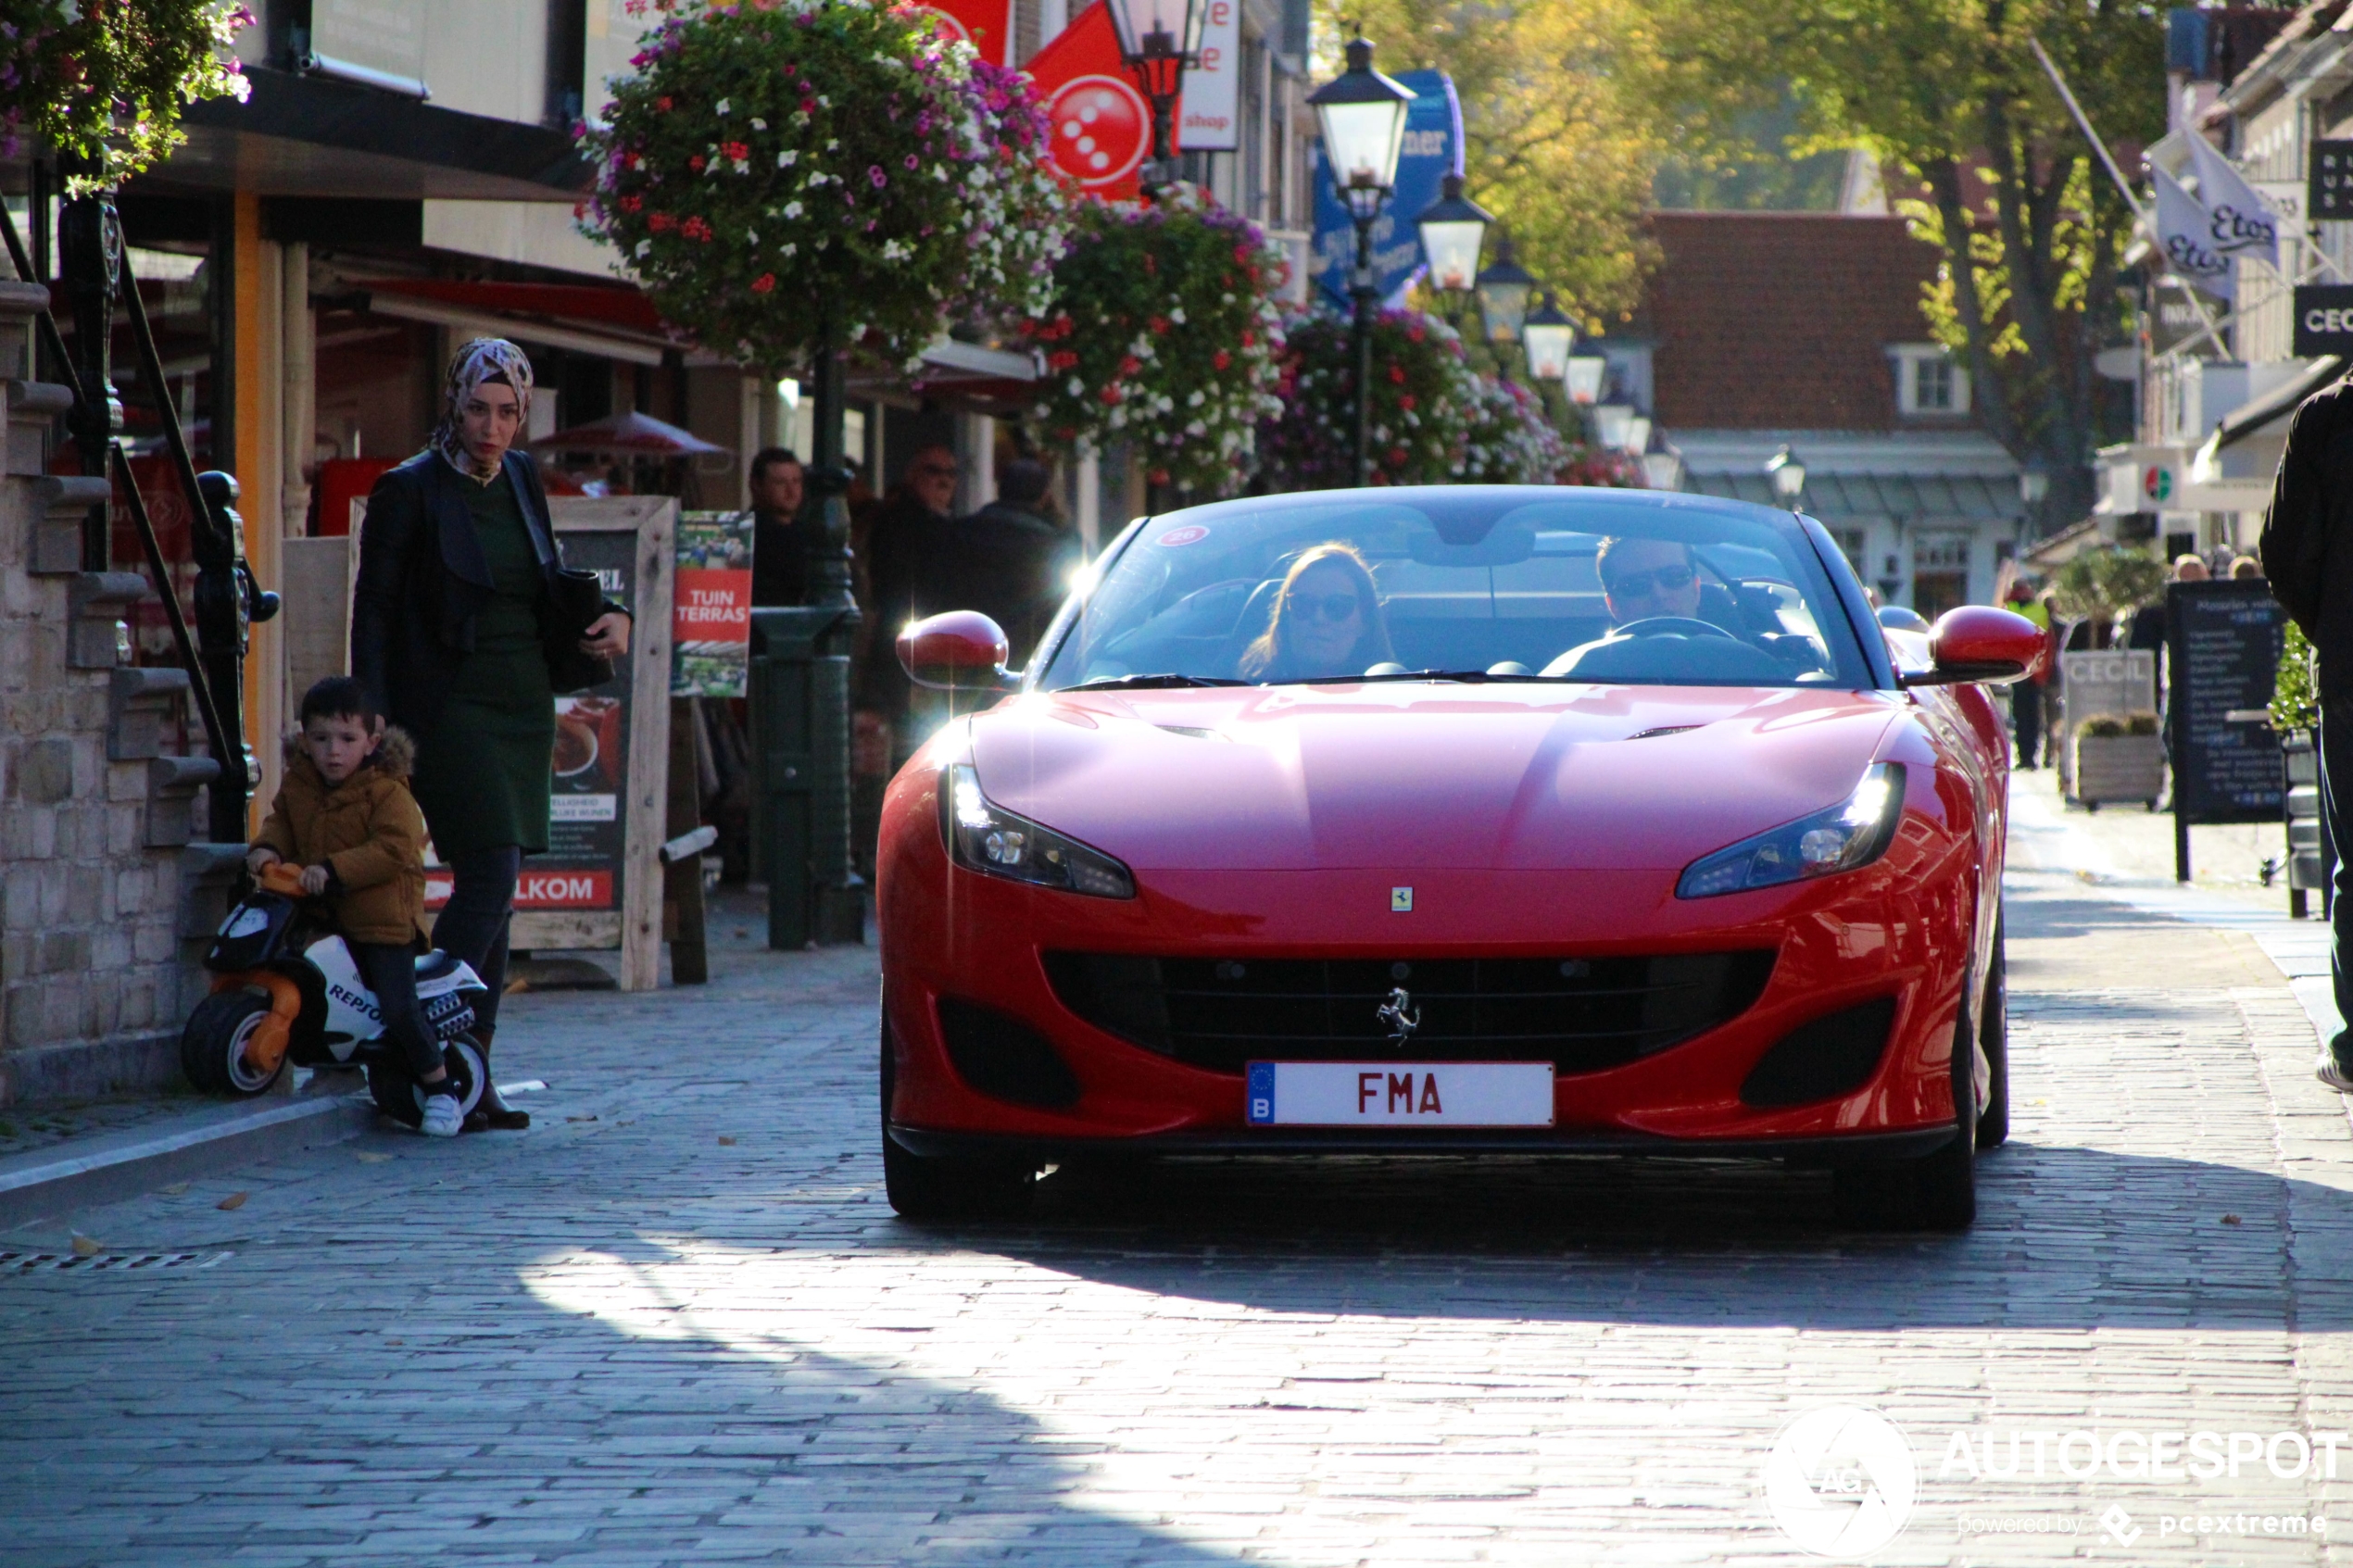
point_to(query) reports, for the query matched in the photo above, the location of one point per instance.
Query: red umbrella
(628, 435)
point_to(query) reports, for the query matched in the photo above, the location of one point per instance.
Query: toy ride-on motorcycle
(285, 990)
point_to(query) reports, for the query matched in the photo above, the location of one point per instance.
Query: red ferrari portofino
(1455, 820)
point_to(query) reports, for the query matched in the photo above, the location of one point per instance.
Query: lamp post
(1454, 228)
(2033, 488)
(1362, 115)
(1158, 39)
(1788, 474)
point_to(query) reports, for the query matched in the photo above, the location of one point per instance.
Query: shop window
(1940, 571)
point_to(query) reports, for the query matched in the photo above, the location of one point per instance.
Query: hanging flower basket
(1422, 397)
(1510, 439)
(106, 84)
(1164, 332)
(1606, 467)
(769, 163)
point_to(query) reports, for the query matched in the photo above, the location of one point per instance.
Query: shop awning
(628, 435)
(2252, 417)
(1920, 497)
(617, 323)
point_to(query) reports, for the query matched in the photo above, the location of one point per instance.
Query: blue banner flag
(1433, 149)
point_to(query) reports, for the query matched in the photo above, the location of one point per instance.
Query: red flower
(1159, 324)
(1110, 394)
(662, 104)
(765, 281)
(631, 204)
(696, 229)
(661, 223)
(1406, 401)
(695, 163)
(1397, 374)
(1414, 334)
(1221, 359)
(1061, 359)
(1250, 340)
(1130, 365)
(1397, 455)
(735, 150)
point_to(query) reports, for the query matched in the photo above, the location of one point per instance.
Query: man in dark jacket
(1016, 563)
(779, 543)
(2308, 554)
(911, 567)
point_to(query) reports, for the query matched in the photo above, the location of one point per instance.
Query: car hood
(1409, 775)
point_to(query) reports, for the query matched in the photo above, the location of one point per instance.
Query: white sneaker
(442, 1117)
(2329, 1072)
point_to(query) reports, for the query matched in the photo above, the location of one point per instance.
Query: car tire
(212, 1046)
(1993, 1036)
(943, 1187)
(1934, 1192)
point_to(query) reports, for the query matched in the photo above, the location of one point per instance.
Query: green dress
(483, 774)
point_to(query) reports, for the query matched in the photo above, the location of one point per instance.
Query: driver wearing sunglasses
(1643, 579)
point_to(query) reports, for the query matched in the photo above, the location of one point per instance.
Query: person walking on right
(2307, 550)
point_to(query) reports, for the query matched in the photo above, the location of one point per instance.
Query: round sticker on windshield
(1192, 533)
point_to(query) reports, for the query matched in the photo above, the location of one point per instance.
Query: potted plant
(104, 85)
(1423, 404)
(2119, 757)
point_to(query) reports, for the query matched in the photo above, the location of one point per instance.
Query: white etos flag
(2184, 232)
(2242, 222)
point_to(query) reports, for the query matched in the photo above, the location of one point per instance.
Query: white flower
(1177, 314)
(786, 158)
(721, 106)
(757, 124)
(792, 209)
(645, 247)
(791, 248)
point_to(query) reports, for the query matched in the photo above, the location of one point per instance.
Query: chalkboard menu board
(2223, 651)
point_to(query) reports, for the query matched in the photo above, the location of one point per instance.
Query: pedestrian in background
(2026, 696)
(2307, 550)
(912, 566)
(1016, 563)
(779, 541)
(452, 630)
(2244, 568)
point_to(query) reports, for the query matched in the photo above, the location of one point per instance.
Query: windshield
(1472, 583)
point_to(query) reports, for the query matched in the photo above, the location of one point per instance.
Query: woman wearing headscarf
(1327, 622)
(448, 636)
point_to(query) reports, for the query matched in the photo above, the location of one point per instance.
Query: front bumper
(1854, 1148)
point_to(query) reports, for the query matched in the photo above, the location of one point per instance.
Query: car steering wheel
(1672, 626)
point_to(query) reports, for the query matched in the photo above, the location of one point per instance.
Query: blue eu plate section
(1260, 1103)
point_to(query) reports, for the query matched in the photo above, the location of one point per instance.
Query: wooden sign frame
(636, 926)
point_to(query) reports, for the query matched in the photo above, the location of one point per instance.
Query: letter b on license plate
(1399, 1094)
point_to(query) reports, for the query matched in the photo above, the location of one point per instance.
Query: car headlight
(1854, 832)
(983, 836)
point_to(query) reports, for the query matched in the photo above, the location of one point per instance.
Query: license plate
(1399, 1094)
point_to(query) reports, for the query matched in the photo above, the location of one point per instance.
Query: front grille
(1582, 1015)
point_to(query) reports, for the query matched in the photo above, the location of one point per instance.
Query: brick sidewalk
(675, 1322)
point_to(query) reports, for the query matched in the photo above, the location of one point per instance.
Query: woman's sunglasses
(1322, 606)
(1658, 579)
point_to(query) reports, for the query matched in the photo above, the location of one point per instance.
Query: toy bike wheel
(212, 1047)
(399, 1096)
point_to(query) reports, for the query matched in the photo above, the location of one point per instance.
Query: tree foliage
(2107, 582)
(1556, 145)
(1948, 95)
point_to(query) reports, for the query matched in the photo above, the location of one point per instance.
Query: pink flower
(875, 177)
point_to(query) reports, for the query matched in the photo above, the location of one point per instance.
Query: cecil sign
(2324, 318)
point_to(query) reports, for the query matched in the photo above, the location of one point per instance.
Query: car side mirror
(960, 650)
(1979, 643)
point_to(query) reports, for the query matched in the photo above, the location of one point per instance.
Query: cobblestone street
(676, 1322)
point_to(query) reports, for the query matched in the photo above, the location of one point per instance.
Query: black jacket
(422, 579)
(2308, 534)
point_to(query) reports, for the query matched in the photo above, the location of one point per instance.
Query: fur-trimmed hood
(396, 756)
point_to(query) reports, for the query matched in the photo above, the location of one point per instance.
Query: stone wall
(97, 875)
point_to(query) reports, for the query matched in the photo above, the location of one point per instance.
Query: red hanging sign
(1102, 126)
(986, 25)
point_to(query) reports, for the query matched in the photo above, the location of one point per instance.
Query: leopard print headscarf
(486, 359)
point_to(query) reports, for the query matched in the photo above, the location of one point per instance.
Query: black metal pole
(839, 893)
(1366, 297)
(90, 262)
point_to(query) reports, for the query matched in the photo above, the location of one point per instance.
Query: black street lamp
(1362, 115)
(1453, 227)
(1787, 472)
(1504, 291)
(1158, 39)
(1549, 334)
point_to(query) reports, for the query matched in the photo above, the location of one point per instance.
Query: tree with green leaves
(1980, 152)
